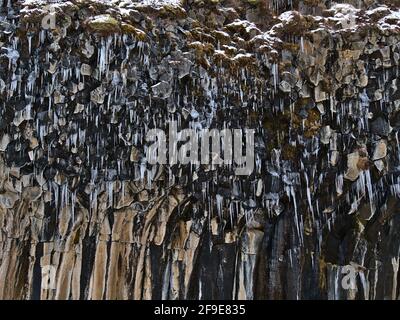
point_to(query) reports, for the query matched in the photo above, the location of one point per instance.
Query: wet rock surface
(317, 81)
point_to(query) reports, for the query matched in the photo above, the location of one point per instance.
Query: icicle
(309, 195)
(370, 191)
(219, 200)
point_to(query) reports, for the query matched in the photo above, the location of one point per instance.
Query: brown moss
(202, 61)
(221, 59)
(289, 152)
(276, 127)
(137, 33)
(298, 25)
(175, 12)
(222, 37)
(244, 60)
(103, 24)
(312, 123)
(200, 34)
(201, 48)
(284, 66)
(278, 122)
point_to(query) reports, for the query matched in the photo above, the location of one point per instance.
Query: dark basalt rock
(317, 81)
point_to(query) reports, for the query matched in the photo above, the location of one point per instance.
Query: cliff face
(84, 216)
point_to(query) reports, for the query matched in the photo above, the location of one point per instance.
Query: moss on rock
(104, 23)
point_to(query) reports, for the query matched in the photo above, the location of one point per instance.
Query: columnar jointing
(86, 214)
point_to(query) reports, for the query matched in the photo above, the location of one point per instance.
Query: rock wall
(80, 206)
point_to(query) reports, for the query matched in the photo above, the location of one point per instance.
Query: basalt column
(84, 215)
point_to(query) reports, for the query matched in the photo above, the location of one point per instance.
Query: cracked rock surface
(319, 83)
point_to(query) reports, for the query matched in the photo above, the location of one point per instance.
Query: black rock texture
(83, 215)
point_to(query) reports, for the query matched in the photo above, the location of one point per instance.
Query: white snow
(160, 2)
(288, 16)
